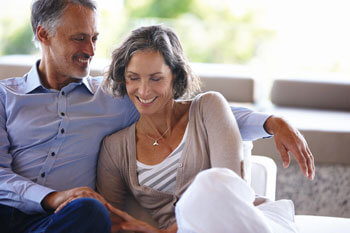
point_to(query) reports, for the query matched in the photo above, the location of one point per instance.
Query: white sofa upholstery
(321, 224)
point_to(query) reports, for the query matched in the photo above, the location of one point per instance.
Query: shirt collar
(33, 80)
(88, 85)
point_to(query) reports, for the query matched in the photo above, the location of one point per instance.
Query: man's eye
(79, 38)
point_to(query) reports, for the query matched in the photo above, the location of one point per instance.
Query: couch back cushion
(333, 95)
(234, 89)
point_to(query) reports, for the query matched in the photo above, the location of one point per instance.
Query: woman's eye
(156, 79)
(132, 78)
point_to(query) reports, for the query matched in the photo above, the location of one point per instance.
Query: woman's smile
(146, 101)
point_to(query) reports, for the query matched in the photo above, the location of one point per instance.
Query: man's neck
(49, 80)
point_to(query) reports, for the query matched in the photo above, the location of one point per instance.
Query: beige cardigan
(213, 140)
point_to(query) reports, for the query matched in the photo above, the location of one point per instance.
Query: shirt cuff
(255, 128)
(36, 193)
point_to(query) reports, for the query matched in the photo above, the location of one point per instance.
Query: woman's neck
(156, 124)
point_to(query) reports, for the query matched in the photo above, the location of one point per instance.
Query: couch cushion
(15, 65)
(329, 94)
(234, 82)
(320, 224)
(234, 89)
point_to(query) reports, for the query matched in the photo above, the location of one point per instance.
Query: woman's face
(149, 82)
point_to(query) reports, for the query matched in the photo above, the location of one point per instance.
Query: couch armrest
(263, 176)
(321, 224)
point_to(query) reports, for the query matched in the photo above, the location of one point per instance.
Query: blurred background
(270, 36)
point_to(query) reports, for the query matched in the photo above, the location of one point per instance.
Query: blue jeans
(81, 215)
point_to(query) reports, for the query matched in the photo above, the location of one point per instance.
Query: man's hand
(289, 139)
(57, 200)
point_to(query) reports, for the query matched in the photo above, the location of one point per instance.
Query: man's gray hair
(48, 12)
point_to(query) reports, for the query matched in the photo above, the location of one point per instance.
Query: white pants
(219, 201)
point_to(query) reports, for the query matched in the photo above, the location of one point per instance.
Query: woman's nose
(143, 88)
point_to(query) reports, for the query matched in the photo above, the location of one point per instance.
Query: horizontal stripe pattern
(162, 176)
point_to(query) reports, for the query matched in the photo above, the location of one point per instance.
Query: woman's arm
(224, 139)
(109, 182)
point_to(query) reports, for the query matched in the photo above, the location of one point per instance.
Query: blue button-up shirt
(50, 139)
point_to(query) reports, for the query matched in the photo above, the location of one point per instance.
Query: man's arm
(250, 123)
(289, 139)
(15, 190)
(253, 125)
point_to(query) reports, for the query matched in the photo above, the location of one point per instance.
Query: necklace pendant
(155, 143)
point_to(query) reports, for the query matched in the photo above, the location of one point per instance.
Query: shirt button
(62, 131)
(53, 154)
(43, 174)
(180, 164)
(63, 93)
(62, 114)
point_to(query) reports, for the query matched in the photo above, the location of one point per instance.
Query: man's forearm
(250, 123)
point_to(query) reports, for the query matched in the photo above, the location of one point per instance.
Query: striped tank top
(162, 176)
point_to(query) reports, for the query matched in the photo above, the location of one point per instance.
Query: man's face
(72, 47)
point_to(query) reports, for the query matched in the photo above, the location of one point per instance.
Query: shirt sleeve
(133, 114)
(109, 181)
(250, 123)
(15, 190)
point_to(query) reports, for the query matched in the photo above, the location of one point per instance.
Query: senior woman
(160, 156)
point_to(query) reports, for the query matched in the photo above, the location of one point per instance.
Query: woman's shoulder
(119, 139)
(209, 98)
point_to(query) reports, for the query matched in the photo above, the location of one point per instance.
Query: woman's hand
(123, 221)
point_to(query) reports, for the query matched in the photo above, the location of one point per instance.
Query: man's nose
(90, 47)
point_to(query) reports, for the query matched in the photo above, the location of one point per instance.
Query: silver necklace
(155, 143)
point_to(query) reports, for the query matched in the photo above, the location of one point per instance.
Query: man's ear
(42, 34)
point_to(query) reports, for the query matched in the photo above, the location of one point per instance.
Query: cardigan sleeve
(110, 183)
(224, 139)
